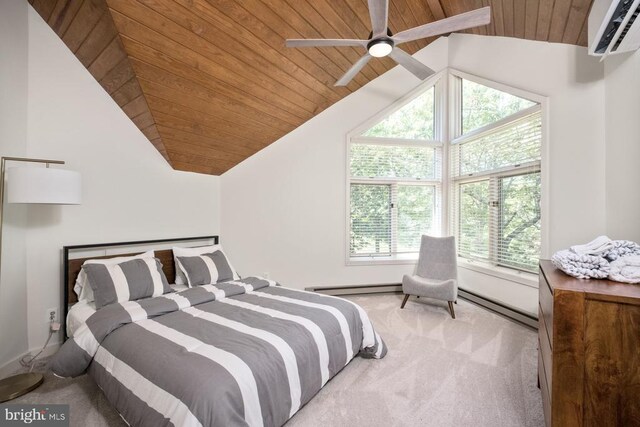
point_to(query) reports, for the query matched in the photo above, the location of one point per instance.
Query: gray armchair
(437, 273)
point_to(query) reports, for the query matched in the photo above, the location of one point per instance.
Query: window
(495, 175)
(482, 105)
(416, 120)
(395, 178)
(492, 175)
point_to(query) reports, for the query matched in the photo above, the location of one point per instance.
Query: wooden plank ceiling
(209, 82)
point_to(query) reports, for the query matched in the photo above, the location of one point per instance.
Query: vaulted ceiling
(210, 82)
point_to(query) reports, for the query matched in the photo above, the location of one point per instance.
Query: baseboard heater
(494, 306)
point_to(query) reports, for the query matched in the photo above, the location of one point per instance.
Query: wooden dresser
(589, 350)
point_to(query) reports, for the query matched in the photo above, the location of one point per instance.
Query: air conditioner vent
(626, 29)
(614, 27)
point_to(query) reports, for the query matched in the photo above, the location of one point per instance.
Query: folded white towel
(597, 246)
(626, 269)
(581, 266)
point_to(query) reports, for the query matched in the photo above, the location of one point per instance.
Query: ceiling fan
(382, 42)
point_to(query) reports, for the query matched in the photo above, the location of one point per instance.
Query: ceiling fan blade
(379, 12)
(355, 69)
(325, 42)
(416, 67)
(463, 21)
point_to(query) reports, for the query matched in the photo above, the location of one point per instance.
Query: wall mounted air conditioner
(613, 27)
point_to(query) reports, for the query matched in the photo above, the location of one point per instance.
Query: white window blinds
(496, 192)
(511, 145)
(395, 170)
(394, 197)
(395, 161)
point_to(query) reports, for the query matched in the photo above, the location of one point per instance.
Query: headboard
(72, 266)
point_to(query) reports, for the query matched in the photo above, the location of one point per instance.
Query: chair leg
(404, 301)
(453, 314)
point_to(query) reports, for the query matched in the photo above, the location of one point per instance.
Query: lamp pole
(17, 385)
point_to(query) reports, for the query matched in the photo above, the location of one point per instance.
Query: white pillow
(82, 288)
(181, 279)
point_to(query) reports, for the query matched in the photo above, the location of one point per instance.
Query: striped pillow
(207, 269)
(126, 281)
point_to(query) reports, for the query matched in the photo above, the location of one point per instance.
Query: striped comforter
(244, 352)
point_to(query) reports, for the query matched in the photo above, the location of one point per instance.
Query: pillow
(188, 252)
(126, 281)
(206, 269)
(82, 288)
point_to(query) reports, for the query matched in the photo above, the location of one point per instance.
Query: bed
(244, 351)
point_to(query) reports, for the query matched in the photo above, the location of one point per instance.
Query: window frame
(456, 137)
(494, 179)
(438, 82)
(446, 133)
(393, 193)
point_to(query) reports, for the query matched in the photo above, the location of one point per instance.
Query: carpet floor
(477, 370)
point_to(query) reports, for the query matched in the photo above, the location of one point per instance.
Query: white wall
(283, 210)
(13, 142)
(573, 166)
(622, 112)
(129, 191)
(573, 83)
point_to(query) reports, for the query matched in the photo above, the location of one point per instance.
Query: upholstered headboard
(72, 264)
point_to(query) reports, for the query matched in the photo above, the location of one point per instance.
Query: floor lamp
(38, 185)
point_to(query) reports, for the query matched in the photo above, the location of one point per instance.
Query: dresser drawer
(546, 306)
(545, 352)
(544, 390)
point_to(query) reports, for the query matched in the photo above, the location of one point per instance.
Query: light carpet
(477, 370)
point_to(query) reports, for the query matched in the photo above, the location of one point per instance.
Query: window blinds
(394, 195)
(513, 144)
(371, 210)
(394, 161)
(496, 194)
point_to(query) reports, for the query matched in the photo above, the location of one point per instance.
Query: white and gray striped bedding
(244, 352)
(129, 280)
(206, 268)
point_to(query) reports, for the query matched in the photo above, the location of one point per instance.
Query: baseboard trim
(12, 366)
(357, 289)
(500, 308)
(488, 304)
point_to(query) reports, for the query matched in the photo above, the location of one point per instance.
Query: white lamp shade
(43, 186)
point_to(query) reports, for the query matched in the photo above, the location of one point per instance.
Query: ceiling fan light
(380, 47)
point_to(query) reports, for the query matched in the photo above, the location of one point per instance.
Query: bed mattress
(244, 352)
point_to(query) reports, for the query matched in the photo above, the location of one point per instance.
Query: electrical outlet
(52, 315)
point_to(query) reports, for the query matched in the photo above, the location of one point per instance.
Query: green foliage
(415, 120)
(473, 228)
(371, 213)
(482, 105)
(415, 215)
(370, 219)
(519, 239)
(518, 216)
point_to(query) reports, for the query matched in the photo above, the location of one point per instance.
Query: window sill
(521, 277)
(524, 278)
(405, 259)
